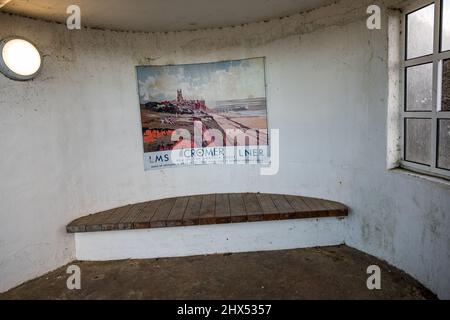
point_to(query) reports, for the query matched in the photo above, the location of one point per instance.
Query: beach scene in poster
(218, 97)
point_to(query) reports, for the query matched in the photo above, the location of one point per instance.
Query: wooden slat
(315, 204)
(298, 204)
(112, 221)
(335, 208)
(79, 225)
(302, 211)
(237, 208)
(282, 204)
(192, 211)
(267, 205)
(175, 218)
(319, 209)
(127, 221)
(222, 213)
(143, 220)
(332, 205)
(96, 223)
(207, 210)
(252, 207)
(159, 219)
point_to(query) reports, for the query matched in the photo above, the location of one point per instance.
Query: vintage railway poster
(210, 113)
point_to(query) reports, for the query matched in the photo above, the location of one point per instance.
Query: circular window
(19, 59)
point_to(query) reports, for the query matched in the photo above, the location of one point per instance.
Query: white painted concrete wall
(70, 140)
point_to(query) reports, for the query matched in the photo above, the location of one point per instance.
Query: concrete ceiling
(161, 15)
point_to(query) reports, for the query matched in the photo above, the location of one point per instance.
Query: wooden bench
(208, 209)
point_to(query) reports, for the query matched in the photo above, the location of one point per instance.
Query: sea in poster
(208, 113)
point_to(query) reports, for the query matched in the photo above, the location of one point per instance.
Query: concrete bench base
(209, 239)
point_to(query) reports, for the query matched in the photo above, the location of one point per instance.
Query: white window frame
(436, 58)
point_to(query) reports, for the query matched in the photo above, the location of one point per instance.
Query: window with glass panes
(426, 112)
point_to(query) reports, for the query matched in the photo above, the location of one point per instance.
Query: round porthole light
(19, 59)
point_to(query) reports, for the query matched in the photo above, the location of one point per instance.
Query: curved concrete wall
(70, 140)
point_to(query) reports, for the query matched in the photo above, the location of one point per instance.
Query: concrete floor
(319, 273)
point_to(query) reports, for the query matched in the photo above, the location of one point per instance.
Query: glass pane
(446, 25)
(444, 144)
(420, 32)
(418, 140)
(445, 105)
(419, 88)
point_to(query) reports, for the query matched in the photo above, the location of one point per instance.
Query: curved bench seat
(208, 209)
